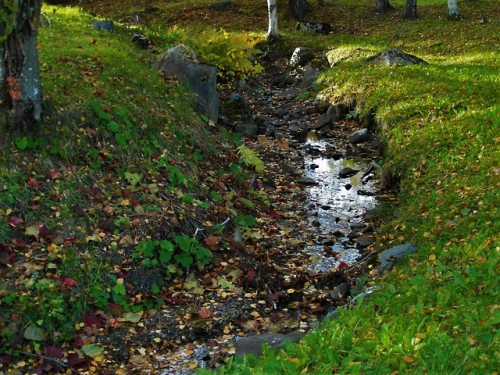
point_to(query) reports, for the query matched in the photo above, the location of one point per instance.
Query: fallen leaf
(205, 314)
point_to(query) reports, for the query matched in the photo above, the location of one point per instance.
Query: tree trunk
(273, 32)
(298, 8)
(20, 92)
(411, 9)
(453, 9)
(383, 6)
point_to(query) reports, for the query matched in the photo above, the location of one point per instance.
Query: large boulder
(395, 57)
(388, 258)
(183, 63)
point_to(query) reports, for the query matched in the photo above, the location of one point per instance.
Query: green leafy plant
(183, 251)
(230, 52)
(250, 157)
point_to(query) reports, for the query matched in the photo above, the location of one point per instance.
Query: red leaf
(135, 202)
(250, 274)
(14, 221)
(205, 314)
(5, 359)
(53, 352)
(274, 214)
(93, 320)
(126, 193)
(343, 266)
(68, 283)
(54, 174)
(75, 361)
(77, 343)
(33, 182)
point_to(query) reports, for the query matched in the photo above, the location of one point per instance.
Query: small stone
(316, 223)
(106, 25)
(360, 136)
(306, 181)
(348, 186)
(314, 166)
(325, 207)
(347, 172)
(357, 225)
(352, 235)
(363, 242)
(366, 193)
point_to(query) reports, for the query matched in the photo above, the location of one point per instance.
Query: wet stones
(347, 172)
(359, 136)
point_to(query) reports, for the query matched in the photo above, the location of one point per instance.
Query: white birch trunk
(272, 32)
(453, 9)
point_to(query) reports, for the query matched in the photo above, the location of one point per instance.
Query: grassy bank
(438, 313)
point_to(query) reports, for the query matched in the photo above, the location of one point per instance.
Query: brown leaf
(205, 314)
(212, 242)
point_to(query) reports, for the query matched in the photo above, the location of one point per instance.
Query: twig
(62, 364)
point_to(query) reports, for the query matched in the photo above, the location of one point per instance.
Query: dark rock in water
(359, 136)
(314, 27)
(314, 166)
(353, 234)
(357, 225)
(316, 223)
(348, 187)
(363, 242)
(220, 6)
(253, 344)
(325, 207)
(301, 56)
(183, 63)
(394, 57)
(388, 258)
(106, 25)
(306, 181)
(347, 172)
(366, 193)
(141, 41)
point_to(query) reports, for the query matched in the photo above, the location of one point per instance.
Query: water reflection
(335, 203)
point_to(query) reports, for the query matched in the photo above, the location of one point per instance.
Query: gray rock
(306, 181)
(394, 57)
(337, 112)
(105, 25)
(253, 344)
(363, 242)
(359, 136)
(221, 5)
(323, 121)
(314, 27)
(141, 41)
(388, 258)
(309, 78)
(183, 63)
(247, 129)
(339, 292)
(301, 56)
(236, 108)
(347, 172)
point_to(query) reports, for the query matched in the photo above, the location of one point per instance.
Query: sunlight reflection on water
(335, 205)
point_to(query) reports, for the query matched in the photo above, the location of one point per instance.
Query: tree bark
(272, 32)
(383, 6)
(20, 90)
(453, 9)
(298, 8)
(411, 9)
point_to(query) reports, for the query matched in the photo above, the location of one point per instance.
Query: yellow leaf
(432, 257)
(293, 360)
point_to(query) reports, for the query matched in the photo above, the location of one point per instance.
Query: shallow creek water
(336, 205)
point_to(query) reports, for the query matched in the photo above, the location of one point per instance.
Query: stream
(332, 233)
